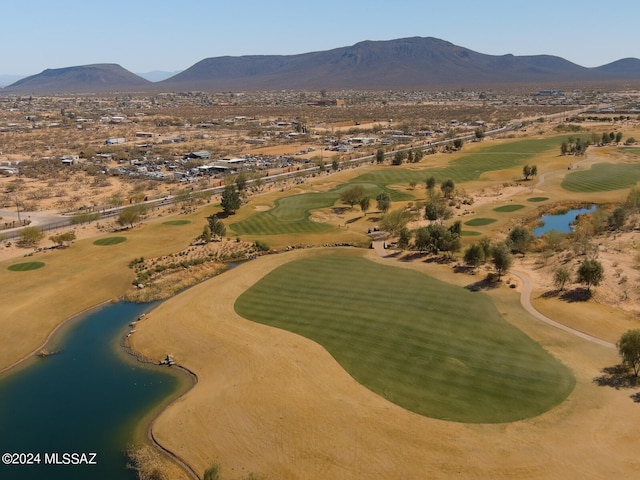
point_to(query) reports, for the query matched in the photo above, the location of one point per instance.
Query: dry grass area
(149, 464)
(274, 403)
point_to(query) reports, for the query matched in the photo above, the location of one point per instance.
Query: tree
(629, 349)
(398, 158)
(212, 473)
(205, 236)
(448, 187)
(431, 183)
(529, 171)
(216, 227)
(617, 218)
(131, 214)
(230, 201)
(633, 199)
(63, 238)
(379, 156)
(383, 202)
(241, 182)
(605, 138)
(458, 143)
(352, 196)
(364, 204)
(520, 238)
(335, 165)
(502, 259)
(560, 277)
(590, 273)
(618, 137)
(480, 134)
(473, 255)
(30, 236)
(404, 237)
(437, 210)
(393, 222)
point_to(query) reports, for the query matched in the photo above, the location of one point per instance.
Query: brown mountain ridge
(409, 63)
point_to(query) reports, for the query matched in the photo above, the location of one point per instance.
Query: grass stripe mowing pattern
(432, 348)
(603, 177)
(469, 167)
(290, 215)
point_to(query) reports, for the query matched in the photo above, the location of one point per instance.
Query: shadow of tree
(464, 269)
(413, 256)
(439, 259)
(576, 295)
(636, 397)
(550, 294)
(487, 283)
(618, 376)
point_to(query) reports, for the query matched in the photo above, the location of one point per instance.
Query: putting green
(109, 241)
(508, 208)
(469, 233)
(479, 222)
(435, 349)
(603, 177)
(23, 267)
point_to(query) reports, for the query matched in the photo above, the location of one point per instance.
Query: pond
(88, 398)
(561, 223)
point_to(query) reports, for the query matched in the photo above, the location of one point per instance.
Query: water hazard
(561, 223)
(86, 399)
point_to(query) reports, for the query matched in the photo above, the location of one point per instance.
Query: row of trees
(357, 195)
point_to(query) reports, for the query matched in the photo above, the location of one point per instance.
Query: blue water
(561, 223)
(86, 399)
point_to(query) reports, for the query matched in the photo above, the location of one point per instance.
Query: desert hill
(102, 77)
(408, 63)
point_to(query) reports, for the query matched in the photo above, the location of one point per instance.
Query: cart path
(525, 301)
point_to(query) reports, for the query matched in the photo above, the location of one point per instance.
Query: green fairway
(537, 199)
(109, 241)
(435, 349)
(23, 267)
(469, 233)
(508, 208)
(468, 167)
(177, 222)
(290, 215)
(602, 177)
(479, 222)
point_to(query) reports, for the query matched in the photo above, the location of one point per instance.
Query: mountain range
(408, 63)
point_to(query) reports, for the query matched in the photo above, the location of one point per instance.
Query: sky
(172, 35)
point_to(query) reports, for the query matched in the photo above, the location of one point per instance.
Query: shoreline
(56, 330)
(128, 353)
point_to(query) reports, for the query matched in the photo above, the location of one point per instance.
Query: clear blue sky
(171, 35)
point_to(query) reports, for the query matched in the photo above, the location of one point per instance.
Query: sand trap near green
(430, 347)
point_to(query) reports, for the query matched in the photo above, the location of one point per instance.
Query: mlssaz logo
(70, 458)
